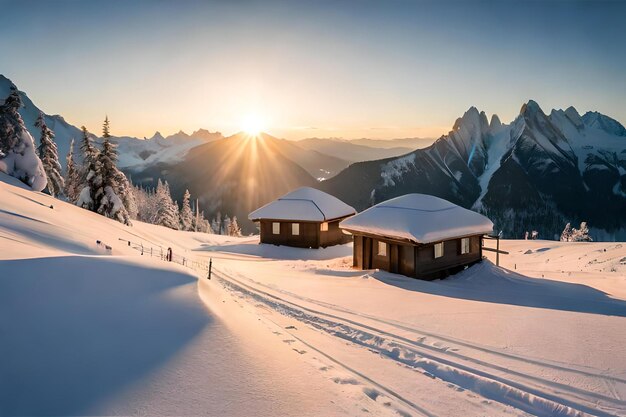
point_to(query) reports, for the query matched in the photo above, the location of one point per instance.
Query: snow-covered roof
(306, 204)
(418, 218)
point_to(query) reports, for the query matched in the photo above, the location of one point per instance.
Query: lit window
(324, 227)
(438, 250)
(276, 228)
(382, 249)
(295, 229)
(465, 245)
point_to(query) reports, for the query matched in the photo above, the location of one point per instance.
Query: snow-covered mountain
(537, 172)
(134, 152)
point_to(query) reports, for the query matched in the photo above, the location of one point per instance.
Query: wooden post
(498, 250)
(210, 266)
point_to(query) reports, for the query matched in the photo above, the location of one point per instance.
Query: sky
(350, 69)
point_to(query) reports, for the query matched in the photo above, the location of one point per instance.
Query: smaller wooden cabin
(305, 218)
(417, 235)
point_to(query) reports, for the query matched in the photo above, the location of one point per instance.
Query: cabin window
(382, 249)
(438, 250)
(295, 229)
(276, 228)
(324, 227)
(465, 245)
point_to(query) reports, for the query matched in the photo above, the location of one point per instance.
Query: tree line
(93, 181)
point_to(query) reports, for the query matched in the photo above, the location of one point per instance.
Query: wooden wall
(428, 267)
(414, 260)
(310, 235)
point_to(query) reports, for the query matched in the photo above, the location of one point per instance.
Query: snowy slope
(287, 331)
(487, 341)
(88, 332)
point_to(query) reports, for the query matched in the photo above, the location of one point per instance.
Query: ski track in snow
(535, 395)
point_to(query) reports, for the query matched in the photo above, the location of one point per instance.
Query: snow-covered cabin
(306, 218)
(417, 235)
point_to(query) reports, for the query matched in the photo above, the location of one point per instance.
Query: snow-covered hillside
(286, 331)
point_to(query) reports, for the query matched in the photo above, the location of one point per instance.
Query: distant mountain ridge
(235, 175)
(351, 151)
(133, 151)
(535, 173)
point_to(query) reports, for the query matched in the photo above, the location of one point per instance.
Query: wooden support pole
(498, 251)
(210, 266)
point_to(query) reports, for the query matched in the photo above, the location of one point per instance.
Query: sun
(253, 124)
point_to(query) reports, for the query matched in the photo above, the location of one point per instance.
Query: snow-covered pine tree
(225, 226)
(233, 228)
(18, 157)
(91, 191)
(129, 197)
(114, 185)
(144, 203)
(49, 156)
(566, 235)
(166, 210)
(186, 215)
(72, 176)
(582, 234)
(105, 128)
(216, 224)
(203, 225)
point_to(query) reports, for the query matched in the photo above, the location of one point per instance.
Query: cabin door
(367, 252)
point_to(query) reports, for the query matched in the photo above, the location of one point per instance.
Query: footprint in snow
(345, 381)
(277, 333)
(291, 328)
(289, 341)
(301, 352)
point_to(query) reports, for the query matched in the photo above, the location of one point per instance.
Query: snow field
(287, 331)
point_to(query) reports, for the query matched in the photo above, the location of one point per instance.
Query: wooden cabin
(417, 235)
(305, 218)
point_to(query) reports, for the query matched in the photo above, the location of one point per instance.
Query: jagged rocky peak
(206, 134)
(157, 136)
(530, 109)
(473, 122)
(600, 121)
(572, 114)
(495, 122)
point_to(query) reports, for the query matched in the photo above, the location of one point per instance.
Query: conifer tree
(582, 234)
(186, 215)
(566, 235)
(216, 224)
(18, 156)
(114, 185)
(91, 191)
(233, 228)
(105, 128)
(166, 210)
(49, 156)
(72, 176)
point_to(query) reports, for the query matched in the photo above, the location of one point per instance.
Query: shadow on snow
(488, 283)
(75, 330)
